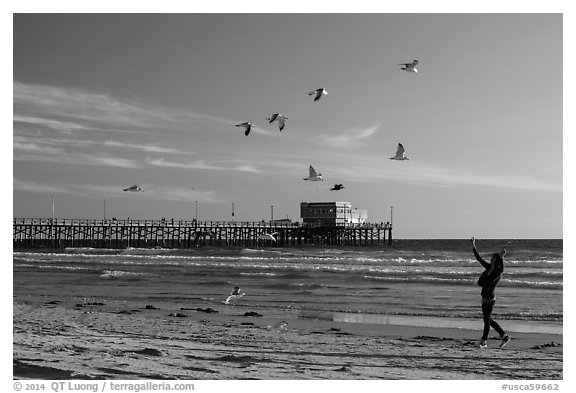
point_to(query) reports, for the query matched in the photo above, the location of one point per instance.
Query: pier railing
(172, 233)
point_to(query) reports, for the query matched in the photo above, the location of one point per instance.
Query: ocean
(413, 282)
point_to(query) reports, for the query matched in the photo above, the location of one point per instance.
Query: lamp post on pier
(390, 228)
(52, 228)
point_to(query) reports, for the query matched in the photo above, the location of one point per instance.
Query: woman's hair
(498, 261)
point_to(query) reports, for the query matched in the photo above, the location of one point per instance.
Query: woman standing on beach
(488, 281)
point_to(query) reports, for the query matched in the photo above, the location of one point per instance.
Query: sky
(105, 101)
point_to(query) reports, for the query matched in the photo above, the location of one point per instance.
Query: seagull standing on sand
(247, 127)
(337, 187)
(133, 188)
(410, 67)
(400, 155)
(279, 326)
(313, 176)
(318, 93)
(282, 327)
(281, 120)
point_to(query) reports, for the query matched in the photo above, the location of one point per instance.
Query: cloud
(348, 139)
(377, 168)
(74, 159)
(236, 165)
(21, 185)
(146, 148)
(262, 131)
(81, 105)
(63, 126)
(69, 109)
(490, 180)
(35, 148)
(182, 194)
(153, 192)
(20, 141)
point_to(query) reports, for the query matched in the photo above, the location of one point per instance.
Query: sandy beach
(71, 338)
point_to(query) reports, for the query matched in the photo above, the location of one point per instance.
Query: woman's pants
(487, 307)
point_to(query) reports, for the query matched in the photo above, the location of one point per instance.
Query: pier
(34, 233)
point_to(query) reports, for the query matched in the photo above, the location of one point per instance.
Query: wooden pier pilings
(61, 233)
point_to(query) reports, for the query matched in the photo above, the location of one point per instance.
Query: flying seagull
(410, 67)
(281, 120)
(313, 175)
(133, 188)
(247, 127)
(268, 236)
(337, 187)
(318, 93)
(400, 155)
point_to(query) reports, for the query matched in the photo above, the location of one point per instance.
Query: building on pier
(331, 214)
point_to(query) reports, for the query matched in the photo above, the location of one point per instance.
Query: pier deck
(60, 233)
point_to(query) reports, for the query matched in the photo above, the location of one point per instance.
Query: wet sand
(69, 338)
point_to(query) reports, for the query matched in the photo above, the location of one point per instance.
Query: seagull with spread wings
(400, 154)
(318, 93)
(247, 127)
(313, 176)
(133, 188)
(268, 236)
(278, 117)
(410, 67)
